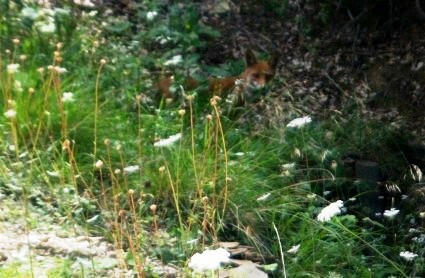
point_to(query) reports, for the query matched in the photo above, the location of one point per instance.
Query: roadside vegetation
(86, 139)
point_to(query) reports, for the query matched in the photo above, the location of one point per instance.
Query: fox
(257, 74)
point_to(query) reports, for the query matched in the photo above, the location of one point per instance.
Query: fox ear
(274, 60)
(250, 58)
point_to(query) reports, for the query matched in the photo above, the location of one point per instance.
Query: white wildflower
(99, 164)
(92, 13)
(29, 12)
(68, 97)
(169, 141)
(240, 154)
(288, 166)
(390, 214)
(209, 260)
(294, 249)
(330, 211)
(47, 26)
(84, 3)
(60, 69)
(408, 256)
(12, 68)
(174, 60)
(299, 122)
(263, 197)
(131, 169)
(151, 15)
(163, 40)
(10, 113)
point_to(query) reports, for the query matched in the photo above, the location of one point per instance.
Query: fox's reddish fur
(256, 75)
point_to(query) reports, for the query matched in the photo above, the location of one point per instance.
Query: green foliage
(217, 182)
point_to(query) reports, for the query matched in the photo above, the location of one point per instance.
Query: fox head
(258, 72)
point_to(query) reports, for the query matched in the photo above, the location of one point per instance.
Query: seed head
(182, 112)
(99, 164)
(153, 208)
(66, 145)
(214, 100)
(205, 199)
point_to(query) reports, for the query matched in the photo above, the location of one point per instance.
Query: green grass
(208, 185)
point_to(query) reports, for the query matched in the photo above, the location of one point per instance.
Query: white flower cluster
(408, 256)
(174, 60)
(299, 122)
(10, 113)
(151, 15)
(12, 68)
(84, 3)
(330, 211)
(169, 141)
(131, 169)
(390, 214)
(68, 97)
(209, 260)
(44, 19)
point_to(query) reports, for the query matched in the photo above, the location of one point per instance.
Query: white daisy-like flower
(151, 15)
(390, 214)
(294, 249)
(68, 97)
(263, 197)
(131, 169)
(174, 60)
(209, 260)
(13, 68)
(408, 256)
(299, 122)
(330, 211)
(169, 141)
(10, 113)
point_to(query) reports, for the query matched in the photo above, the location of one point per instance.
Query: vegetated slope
(362, 56)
